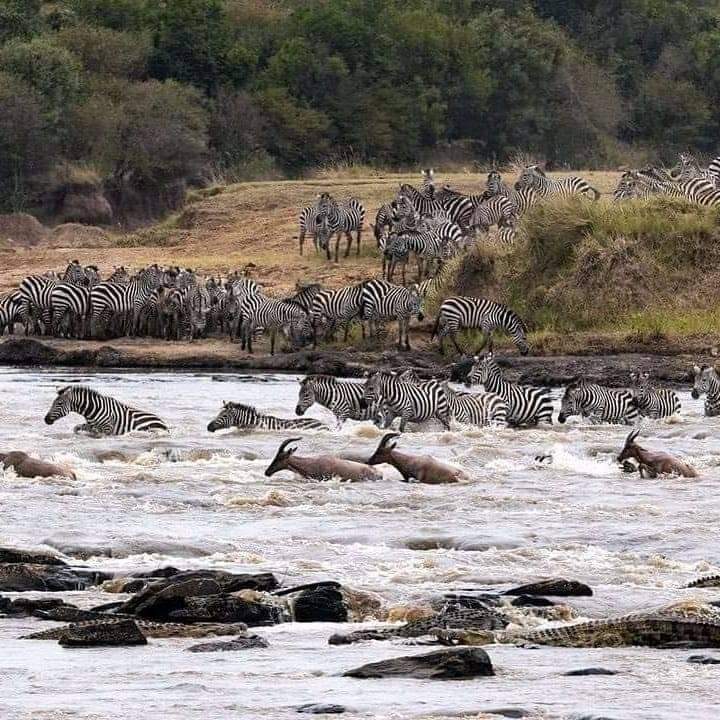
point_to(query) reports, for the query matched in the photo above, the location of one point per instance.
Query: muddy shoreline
(549, 370)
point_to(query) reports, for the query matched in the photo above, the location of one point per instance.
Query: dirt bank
(553, 370)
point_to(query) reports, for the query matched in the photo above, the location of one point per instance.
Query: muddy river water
(635, 542)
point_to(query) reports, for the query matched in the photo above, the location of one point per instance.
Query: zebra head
(571, 402)
(494, 183)
(92, 275)
(234, 415)
(74, 273)
(481, 370)
(517, 330)
(306, 396)
(372, 391)
(62, 405)
(705, 378)
(531, 177)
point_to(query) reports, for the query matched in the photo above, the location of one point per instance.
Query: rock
(66, 613)
(28, 606)
(242, 642)
(321, 709)
(75, 235)
(26, 466)
(10, 555)
(508, 712)
(454, 664)
(704, 660)
(553, 586)
(124, 585)
(23, 577)
(531, 601)
(158, 600)
(85, 203)
(120, 632)
(5, 604)
(322, 604)
(22, 229)
(227, 609)
(163, 572)
(590, 671)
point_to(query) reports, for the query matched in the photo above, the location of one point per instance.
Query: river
(635, 542)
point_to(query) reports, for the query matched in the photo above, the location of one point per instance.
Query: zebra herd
(385, 397)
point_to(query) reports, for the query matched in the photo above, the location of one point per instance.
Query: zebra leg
(349, 236)
(301, 238)
(359, 232)
(273, 335)
(337, 245)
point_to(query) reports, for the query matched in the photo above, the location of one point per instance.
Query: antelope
(652, 462)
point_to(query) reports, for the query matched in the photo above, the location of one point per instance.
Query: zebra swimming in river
(599, 404)
(246, 417)
(707, 382)
(341, 398)
(104, 415)
(654, 403)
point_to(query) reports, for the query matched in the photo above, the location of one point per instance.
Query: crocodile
(705, 582)
(479, 617)
(149, 629)
(684, 624)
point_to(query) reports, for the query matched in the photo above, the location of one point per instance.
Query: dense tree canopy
(147, 92)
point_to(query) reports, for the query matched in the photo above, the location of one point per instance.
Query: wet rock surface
(322, 604)
(11, 555)
(455, 664)
(590, 671)
(24, 577)
(704, 660)
(242, 642)
(559, 587)
(322, 709)
(121, 632)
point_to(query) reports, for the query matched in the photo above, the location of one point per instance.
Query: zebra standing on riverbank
(460, 313)
(599, 404)
(70, 305)
(533, 177)
(36, 291)
(496, 210)
(654, 403)
(246, 417)
(341, 398)
(13, 309)
(382, 301)
(521, 198)
(526, 405)
(338, 218)
(407, 400)
(707, 382)
(334, 307)
(103, 415)
(261, 311)
(308, 223)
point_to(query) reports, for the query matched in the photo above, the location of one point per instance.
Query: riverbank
(667, 365)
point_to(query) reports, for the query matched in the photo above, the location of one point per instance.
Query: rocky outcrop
(553, 586)
(590, 671)
(11, 555)
(23, 577)
(228, 608)
(703, 660)
(99, 634)
(322, 604)
(84, 203)
(242, 642)
(22, 230)
(455, 664)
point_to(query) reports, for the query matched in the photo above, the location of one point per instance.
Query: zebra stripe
(13, 309)
(521, 198)
(261, 311)
(383, 220)
(714, 170)
(104, 415)
(336, 307)
(338, 219)
(497, 210)
(36, 290)
(654, 403)
(411, 199)
(246, 417)
(533, 177)
(526, 405)
(599, 404)
(459, 313)
(342, 399)
(478, 409)
(383, 301)
(308, 221)
(409, 401)
(70, 302)
(707, 382)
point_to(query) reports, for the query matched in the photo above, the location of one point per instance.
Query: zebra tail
(596, 192)
(435, 327)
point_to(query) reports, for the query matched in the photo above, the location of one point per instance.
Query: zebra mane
(240, 406)
(320, 376)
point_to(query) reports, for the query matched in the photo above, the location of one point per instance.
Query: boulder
(66, 613)
(160, 599)
(553, 586)
(29, 606)
(115, 633)
(22, 229)
(321, 604)
(227, 609)
(704, 660)
(5, 605)
(321, 709)
(11, 555)
(163, 572)
(23, 577)
(75, 235)
(531, 601)
(85, 203)
(241, 642)
(452, 664)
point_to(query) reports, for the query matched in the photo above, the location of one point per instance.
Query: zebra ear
(476, 358)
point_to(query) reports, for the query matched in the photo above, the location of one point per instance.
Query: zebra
(110, 300)
(696, 190)
(689, 169)
(13, 309)
(714, 170)
(626, 188)
(458, 313)
(526, 405)
(341, 398)
(707, 382)
(410, 198)
(458, 207)
(521, 198)
(497, 210)
(195, 310)
(435, 243)
(533, 177)
(336, 306)
(104, 415)
(599, 404)
(654, 403)
(381, 300)
(428, 182)
(337, 219)
(308, 222)
(504, 236)
(74, 274)
(71, 302)
(36, 291)
(119, 275)
(409, 401)
(246, 417)
(396, 251)
(479, 409)
(383, 220)
(261, 311)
